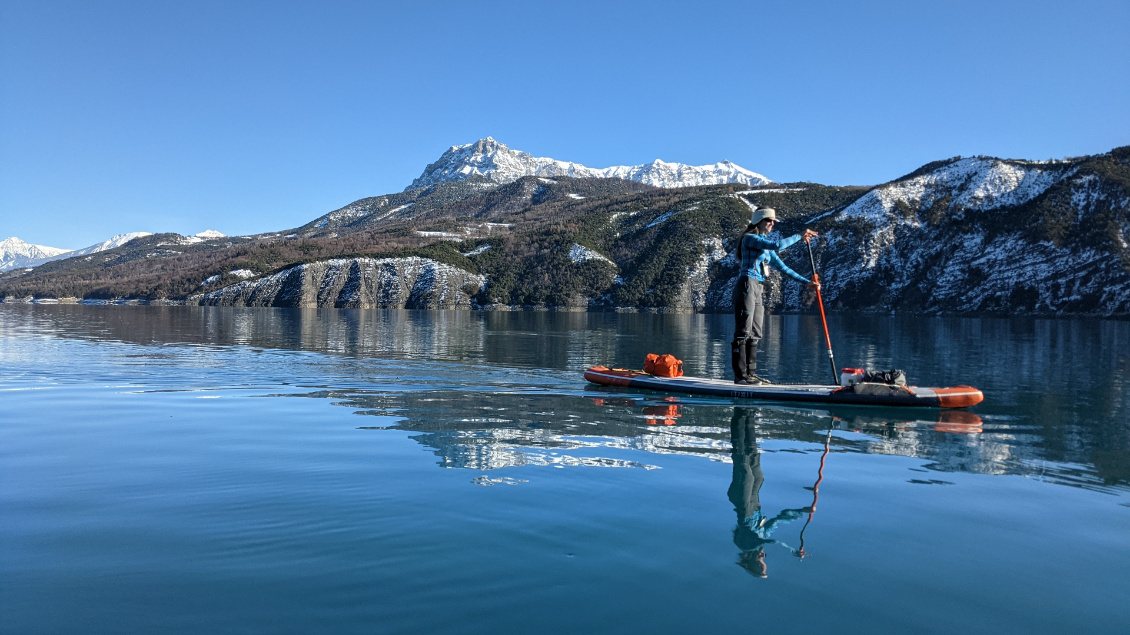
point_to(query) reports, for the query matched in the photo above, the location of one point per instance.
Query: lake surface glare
(196, 469)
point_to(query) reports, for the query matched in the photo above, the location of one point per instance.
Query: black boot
(751, 362)
(738, 360)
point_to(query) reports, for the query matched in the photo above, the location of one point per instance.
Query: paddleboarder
(757, 252)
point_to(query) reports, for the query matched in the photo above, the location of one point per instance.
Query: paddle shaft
(823, 319)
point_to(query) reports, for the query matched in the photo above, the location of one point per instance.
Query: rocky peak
(496, 161)
(16, 253)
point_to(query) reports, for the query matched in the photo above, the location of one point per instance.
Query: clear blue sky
(257, 116)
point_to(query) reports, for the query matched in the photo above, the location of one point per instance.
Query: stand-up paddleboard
(860, 394)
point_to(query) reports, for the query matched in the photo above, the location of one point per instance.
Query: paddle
(820, 300)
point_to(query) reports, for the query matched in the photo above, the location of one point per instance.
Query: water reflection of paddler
(754, 530)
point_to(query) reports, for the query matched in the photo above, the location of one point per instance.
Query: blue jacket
(758, 252)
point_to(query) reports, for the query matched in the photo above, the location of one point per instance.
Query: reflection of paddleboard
(865, 394)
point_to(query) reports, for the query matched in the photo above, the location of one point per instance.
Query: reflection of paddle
(820, 301)
(815, 491)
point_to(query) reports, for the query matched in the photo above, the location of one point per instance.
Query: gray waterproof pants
(749, 315)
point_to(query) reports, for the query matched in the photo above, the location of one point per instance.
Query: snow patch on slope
(973, 184)
(662, 218)
(579, 253)
(477, 250)
(358, 210)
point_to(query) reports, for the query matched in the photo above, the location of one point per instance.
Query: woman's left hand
(809, 234)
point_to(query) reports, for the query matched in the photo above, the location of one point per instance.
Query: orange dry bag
(668, 366)
(649, 363)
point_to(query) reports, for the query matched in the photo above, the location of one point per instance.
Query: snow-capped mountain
(15, 253)
(496, 161)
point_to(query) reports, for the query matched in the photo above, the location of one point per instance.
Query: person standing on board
(756, 253)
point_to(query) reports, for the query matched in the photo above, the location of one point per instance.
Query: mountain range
(15, 253)
(500, 164)
(488, 227)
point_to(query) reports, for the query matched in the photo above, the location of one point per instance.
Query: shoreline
(542, 308)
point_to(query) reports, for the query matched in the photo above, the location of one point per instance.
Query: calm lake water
(183, 469)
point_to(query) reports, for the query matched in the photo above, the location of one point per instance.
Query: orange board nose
(959, 397)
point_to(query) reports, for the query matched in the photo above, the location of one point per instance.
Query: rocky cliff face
(357, 283)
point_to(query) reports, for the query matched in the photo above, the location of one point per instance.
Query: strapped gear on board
(663, 365)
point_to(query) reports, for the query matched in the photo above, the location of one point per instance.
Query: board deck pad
(870, 394)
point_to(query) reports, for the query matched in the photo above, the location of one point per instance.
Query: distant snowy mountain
(496, 161)
(15, 253)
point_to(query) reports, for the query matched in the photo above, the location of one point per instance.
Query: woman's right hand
(809, 235)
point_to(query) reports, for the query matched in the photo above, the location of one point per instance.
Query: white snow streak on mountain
(579, 253)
